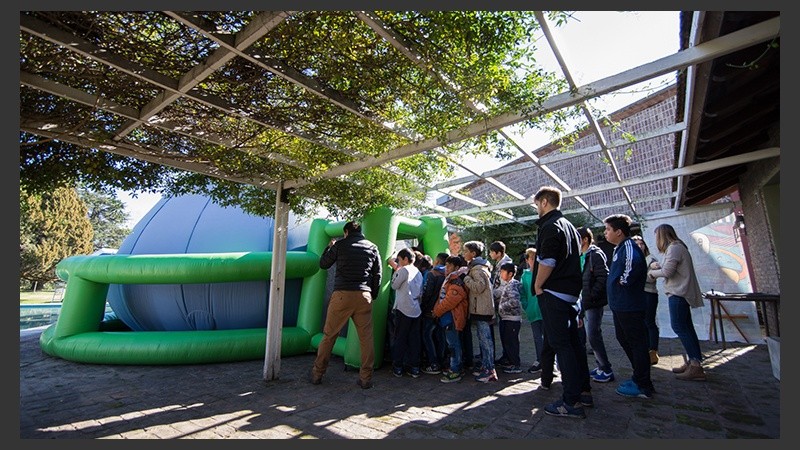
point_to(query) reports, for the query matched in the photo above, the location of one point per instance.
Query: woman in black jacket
(593, 301)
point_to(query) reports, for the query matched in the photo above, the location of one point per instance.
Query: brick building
(725, 259)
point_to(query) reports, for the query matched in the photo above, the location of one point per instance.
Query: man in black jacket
(557, 284)
(356, 284)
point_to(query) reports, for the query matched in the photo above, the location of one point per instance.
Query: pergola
(203, 87)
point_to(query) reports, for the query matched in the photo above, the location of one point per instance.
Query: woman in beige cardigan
(683, 292)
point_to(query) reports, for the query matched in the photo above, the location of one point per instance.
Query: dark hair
(551, 193)
(423, 262)
(406, 254)
(497, 246)
(475, 247)
(509, 267)
(441, 257)
(352, 226)
(620, 222)
(638, 239)
(456, 260)
(585, 232)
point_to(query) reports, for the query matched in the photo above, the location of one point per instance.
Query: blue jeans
(453, 338)
(432, 340)
(484, 331)
(594, 334)
(650, 318)
(680, 318)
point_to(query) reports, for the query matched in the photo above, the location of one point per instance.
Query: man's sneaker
(397, 371)
(512, 369)
(502, 362)
(603, 377)
(432, 369)
(587, 400)
(414, 372)
(545, 385)
(632, 390)
(477, 370)
(487, 376)
(450, 377)
(561, 409)
(594, 371)
(535, 367)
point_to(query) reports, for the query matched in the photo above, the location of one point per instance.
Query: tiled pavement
(65, 400)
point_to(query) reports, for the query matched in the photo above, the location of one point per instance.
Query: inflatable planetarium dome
(194, 224)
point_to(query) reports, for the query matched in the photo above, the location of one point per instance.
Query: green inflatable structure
(80, 334)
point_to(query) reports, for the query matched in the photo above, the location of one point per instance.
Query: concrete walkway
(65, 400)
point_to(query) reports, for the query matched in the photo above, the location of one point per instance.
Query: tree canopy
(174, 103)
(52, 226)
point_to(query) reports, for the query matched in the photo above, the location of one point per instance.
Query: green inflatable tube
(78, 334)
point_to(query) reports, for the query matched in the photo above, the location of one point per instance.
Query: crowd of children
(561, 289)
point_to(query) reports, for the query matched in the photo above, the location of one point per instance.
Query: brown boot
(653, 357)
(681, 369)
(694, 372)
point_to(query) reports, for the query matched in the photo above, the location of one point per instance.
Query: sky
(594, 45)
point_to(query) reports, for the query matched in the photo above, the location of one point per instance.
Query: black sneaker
(414, 372)
(545, 385)
(587, 400)
(561, 409)
(512, 369)
(502, 363)
(432, 369)
(535, 367)
(397, 371)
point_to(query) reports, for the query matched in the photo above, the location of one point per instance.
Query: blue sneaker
(397, 371)
(561, 409)
(603, 377)
(414, 372)
(631, 390)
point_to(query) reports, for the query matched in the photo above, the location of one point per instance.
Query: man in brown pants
(356, 284)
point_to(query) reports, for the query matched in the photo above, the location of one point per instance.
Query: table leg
(713, 328)
(721, 324)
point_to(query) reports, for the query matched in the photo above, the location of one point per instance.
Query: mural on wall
(729, 270)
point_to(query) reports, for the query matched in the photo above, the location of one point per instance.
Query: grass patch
(35, 297)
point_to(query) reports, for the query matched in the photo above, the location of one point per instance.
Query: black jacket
(595, 272)
(358, 264)
(430, 290)
(558, 240)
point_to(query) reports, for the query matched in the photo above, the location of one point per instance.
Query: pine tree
(107, 216)
(52, 226)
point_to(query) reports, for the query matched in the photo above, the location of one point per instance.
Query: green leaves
(320, 89)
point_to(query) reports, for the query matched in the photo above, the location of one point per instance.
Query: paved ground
(64, 400)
